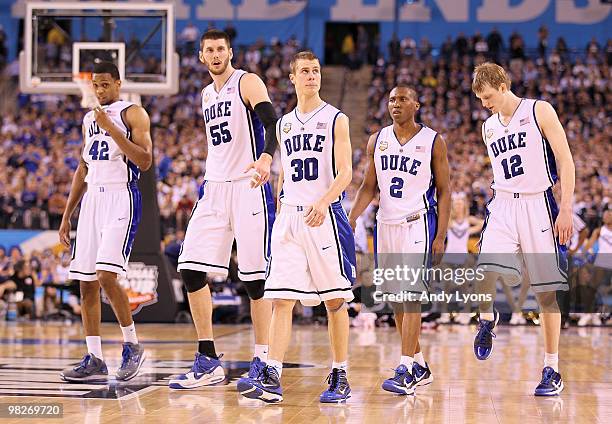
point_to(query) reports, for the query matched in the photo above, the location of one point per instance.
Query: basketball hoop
(83, 81)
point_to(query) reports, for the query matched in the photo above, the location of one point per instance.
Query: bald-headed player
(117, 147)
(235, 202)
(409, 165)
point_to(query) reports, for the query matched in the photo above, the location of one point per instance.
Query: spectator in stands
(542, 41)
(189, 36)
(23, 282)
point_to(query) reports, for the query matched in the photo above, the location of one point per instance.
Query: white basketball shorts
(105, 231)
(311, 264)
(520, 227)
(226, 211)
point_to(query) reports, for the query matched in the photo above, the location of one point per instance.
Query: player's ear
(417, 106)
(201, 56)
(231, 53)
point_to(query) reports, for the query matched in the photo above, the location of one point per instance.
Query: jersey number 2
(102, 153)
(515, 167)
(395, 190)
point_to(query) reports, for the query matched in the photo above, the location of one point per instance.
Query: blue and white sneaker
(204, 372)
(257, 365)
(422, 374)
(265, 387)
(551, 384)
(339, 390)
(132, 358)
(483, 342)
(90, 369)
(402, 383)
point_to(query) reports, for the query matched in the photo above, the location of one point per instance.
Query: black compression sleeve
(266, 114)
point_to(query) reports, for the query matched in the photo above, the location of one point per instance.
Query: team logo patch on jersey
(489, 133)
(321, 125)
(287, 127)
(524, 121)
(383, 146)
(206, 97)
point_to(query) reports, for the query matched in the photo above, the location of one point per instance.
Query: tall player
(524, 138)
(235, 203)
(313, 250)
(409, 165)
(117, 147)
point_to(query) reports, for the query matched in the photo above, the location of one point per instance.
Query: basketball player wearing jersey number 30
(524, 138)
(313, 250)
(234, 203)
(117, 146)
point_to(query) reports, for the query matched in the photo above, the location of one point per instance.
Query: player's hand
(103, 120)
(353, 224)
(64, 233)
(564, 226)
(315, 215)
(262, 170)
(437, 250)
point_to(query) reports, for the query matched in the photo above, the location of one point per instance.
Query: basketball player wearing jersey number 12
(409, 165)
(313, 250)
(235, 202)
(524, 138)
(117, 147)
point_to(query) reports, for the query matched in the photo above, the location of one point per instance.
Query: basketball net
(88, 95)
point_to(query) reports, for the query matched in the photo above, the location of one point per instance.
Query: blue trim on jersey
(560, 249)
(133, 171)
(375, 236)
(345, 241)
(431, 226)
(549, 156)
(270, 213)
(258, 132)
(136, 214)
(484, 226)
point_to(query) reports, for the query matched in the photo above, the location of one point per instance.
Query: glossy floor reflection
(464, 390)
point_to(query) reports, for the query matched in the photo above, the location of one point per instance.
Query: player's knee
(335, 305)
(255, 289)
(548, 301)
(193, 280)
(106, 278)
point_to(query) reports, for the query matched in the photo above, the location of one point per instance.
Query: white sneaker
(514, 318)
(584, 320)
(205, 372)
(596, 320)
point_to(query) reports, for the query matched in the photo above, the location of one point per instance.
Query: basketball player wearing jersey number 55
(526, 143)
(117, 147)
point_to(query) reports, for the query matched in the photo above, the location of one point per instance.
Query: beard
(223, 67)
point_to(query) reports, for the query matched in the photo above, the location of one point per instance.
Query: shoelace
(483, 330)
(257, 367)
(125, 355)
(547, 376)
(333, 379)
(199, 363)
(398, 375)
(265, 375)
(83, 364)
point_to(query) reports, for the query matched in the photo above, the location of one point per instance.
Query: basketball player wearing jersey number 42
(526, 143)
(117, 147)
(313, 250)
(235, 202)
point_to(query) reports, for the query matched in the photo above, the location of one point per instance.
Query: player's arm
(443, 194)
(367, 190)
(582, 236)
(476, 224)
(592, 240)
(255, 95)
(555, 134)
(140, 149)
(315, 215)
(77, 189)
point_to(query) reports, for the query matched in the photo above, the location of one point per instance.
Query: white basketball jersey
(457, 237)
(604, 242)
(404, 174)
(307, 154)
(234, 133)
(106, 163)
(521, 157)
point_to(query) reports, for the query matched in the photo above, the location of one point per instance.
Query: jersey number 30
(305, 169)
(99, 150)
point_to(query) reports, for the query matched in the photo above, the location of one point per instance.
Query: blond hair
(489, 74)
(303, 55)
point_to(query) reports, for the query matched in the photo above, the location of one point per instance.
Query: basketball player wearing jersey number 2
(313, 250)
(235, 202)
(526, 143)
(408, 163)
(117, 147)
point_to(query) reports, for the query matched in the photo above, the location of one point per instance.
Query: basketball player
(117, 147)
(524, 138)
(313, 250)
(233, 204)
(409, 165)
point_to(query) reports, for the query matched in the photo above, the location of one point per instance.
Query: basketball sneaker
(204, 372)
(551, 384)
(339, 390)
(90, 369)
(257, 365)
(132, 358)
(402, 382)
(422, 374)
(265, 387)
(483, 342)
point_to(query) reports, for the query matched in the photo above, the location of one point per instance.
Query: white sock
(420, 359)
(340, 365)
(94, 345)
(129, 334)
(278, 366)
(408, 361)
(552, 360)
(487, 316)
(261, 352)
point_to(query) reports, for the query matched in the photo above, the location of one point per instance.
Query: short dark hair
(302, 55)
(104, 67)
(19, 266)
(215, 34)
(411, 90)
